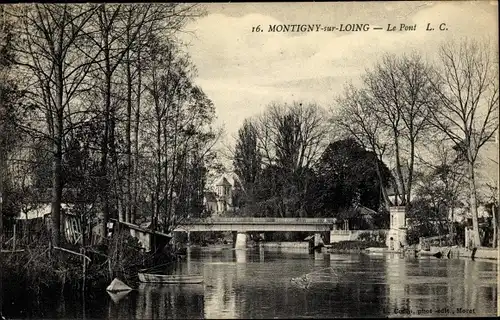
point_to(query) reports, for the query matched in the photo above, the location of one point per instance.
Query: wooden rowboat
(436, 254)
(174, 278)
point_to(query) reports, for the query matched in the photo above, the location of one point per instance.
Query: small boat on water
(436, 254)
(170, 279)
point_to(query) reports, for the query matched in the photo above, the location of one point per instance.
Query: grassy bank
(39, 267)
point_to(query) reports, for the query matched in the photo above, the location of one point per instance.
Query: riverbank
(284, 244)
(461, 252)
(354, 246)
(41, 267)
(450, 252)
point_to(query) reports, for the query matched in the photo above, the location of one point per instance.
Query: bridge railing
(341, 232)
(250, 220)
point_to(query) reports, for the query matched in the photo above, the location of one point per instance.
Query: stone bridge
(242, 225)
(248, 224)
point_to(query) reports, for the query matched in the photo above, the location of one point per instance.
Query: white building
(40, 211)
(221, 200)
(224, 191)
(396, 237)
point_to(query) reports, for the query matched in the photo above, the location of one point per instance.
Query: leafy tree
(269, 192)
(347, 177)
(247, 160)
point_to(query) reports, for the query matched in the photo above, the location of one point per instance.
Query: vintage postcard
(249, 160)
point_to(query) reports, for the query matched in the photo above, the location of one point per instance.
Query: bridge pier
(317, 240)
(241, 240)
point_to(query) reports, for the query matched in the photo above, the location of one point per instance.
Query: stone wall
(294, 245)
(350, 235)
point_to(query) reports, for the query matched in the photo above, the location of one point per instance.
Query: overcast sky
(242, 72)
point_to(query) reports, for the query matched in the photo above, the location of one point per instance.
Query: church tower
(224, 195)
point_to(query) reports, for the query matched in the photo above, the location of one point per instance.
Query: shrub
(378, 236)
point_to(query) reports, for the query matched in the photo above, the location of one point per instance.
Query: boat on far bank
(170, 279)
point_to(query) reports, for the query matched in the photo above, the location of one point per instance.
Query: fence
(19, 233)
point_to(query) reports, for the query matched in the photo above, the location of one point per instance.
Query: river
(255, 283)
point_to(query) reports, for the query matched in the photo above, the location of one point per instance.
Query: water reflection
(241, 255)
(261, 254)
(255, 283)
(433, 287)
(220, 300)
(152, 301)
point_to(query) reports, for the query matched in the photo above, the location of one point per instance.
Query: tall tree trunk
(57, 158)
(128, 143)
(105, 146)
(175, 169)
(410, 170)
(473, 204)
(494, 217)
(2, 181)
(115, 177)
(452, 225)
(385, 197)
(57, 162)
(2, 162)
(2, 147)
(401, 188)
(158, 182)
(166, 182)
(136, 139)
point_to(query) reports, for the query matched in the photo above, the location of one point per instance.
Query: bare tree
(178, 115)
(4, 66)
(401, 92)
(467, 86)
(164, 20)
(121, 32)
(48, 50)
(292, 136)
(445, 178)
(109, 31)
(354, 117)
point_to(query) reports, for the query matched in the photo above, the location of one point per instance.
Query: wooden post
(14, 238)
(110, 270)
(1, 287)
(82, 251)
(84, 270)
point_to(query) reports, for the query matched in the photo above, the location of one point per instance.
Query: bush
(208, 237)
(38, 267)
(378, 236)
